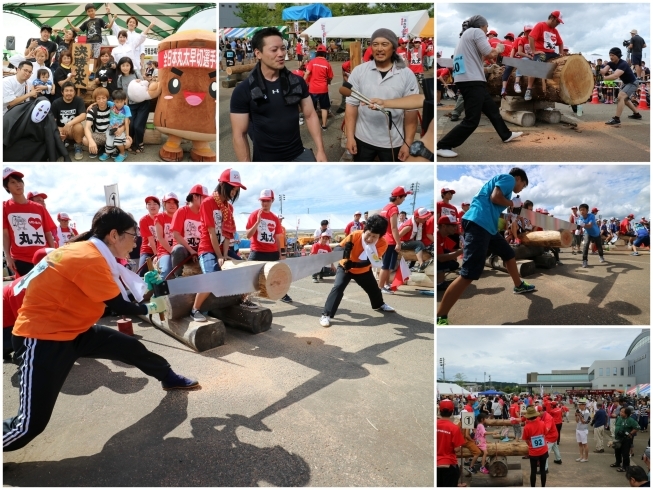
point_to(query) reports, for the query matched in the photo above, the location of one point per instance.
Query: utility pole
(282, 198)
(442, 364)
(490, 381)
(484, 380)
(414, 187)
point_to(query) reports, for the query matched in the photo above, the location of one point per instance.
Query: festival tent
(644, 390)
(427, 30)
(451, 389)
(491, 392)
(363, 26)
(167, 17)
(243, 32)
(311, 12)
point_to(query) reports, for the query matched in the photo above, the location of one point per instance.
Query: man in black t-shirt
(265, 107)
(46, 32)
(93, 27)
(69, 112)
(621, 70)
(636, 45)
(230, 56)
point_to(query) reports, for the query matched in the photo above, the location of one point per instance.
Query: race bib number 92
(537, 441)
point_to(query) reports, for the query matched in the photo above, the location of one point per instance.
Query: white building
(610, 375)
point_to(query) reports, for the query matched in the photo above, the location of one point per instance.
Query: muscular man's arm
(239, 125)
(497, 197)
(314, 127)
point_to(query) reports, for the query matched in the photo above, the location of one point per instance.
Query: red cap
(153, 198)
(464, 204)
(232, 177)
(554, 403)
(446, 405)
(10, 171)
(447, 220)
(631, 216)
(471, 397)
(515, 398)
(61, 216)
(321, 48)
(399, 192)
(199, 189)
(266, 195)
(170, 196)
(30, 195)
(574, 207)
(595, 210)
(446, 189)
(492, 32)
(557, 15)
(422, 213)
(510, 34)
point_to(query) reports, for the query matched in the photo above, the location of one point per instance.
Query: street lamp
(282, 198)
(442, 364)
(483, 380)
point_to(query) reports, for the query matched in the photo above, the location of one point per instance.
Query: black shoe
(614, 122)
(557, 461)
(637, 115)
(454, 117)
(286, 299)
(440, 105)
(176, 381)
(340, 110)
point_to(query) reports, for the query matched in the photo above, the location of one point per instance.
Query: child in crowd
(479, 435)
(93, 28)
(118, 126)
(322, 247)
(43, 78)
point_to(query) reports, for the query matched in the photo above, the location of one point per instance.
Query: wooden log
(179, 305)
(525, 268)
(520, 118)
(518, 103)
(498, 423)
(233, 70)
(497, 434)
(513, 448)
(551, 117)
(410, 255)
(572, 81)
(498, 466)
(512, 479)
(229, 83)
(545, 261)
(355, 55)
(199, 336)
(548, 238)
(523, 252)
(274, 280)
(250, 319)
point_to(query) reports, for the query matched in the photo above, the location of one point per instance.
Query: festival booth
(640, 390)
(244, 32)
(362, 26)
(445, 389)
(428, 29)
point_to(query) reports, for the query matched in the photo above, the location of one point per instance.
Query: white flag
(111, 194)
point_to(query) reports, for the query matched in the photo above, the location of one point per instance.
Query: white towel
(132, 280)
(370, 253)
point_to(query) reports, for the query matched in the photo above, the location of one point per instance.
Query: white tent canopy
(451, 389)
(363, 26)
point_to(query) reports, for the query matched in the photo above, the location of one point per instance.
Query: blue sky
(616, 190)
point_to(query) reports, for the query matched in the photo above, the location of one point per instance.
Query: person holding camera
(635, 46)
(621, 70)
(582, 430)
(625, 430)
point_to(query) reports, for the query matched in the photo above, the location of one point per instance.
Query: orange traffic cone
(642, 99)
(595, 97)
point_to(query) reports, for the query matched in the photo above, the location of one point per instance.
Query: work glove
(152, 278)
(517, 203)
(156, 305)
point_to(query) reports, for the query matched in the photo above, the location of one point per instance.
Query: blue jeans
(139, 111)
(209, 263)
(165, 264)
(142, 261)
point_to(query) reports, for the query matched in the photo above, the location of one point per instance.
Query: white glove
(157, 305)
(500, 47)
(517, 203)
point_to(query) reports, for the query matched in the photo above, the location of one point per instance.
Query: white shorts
(581, 436)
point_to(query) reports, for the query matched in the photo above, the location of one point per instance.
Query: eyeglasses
(132, 234)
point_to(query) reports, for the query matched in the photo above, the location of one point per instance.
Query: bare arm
(314, 127)
(162, 239)
(497, 197)
(50, 239)
(395, 231)
(239, 125)
(279, 239)
(6, 245)
(151, 241)
(252, 230)
(410, 126)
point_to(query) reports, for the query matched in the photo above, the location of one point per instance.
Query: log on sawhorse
(525, 268)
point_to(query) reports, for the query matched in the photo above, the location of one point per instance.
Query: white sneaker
(386, 289)
(301, 121)
(386, 308)
(513, 136)
(583, 460)
(517, 89)
(197, 316)
(325, 321)
(578, 459)
(447, 153)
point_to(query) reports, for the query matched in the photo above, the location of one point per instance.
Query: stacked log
(498, 466)
(549, 238)
(498, 423)
(514, 448)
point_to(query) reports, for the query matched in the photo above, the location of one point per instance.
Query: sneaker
(528, 95)
(636, 254)
(472, 470)
(416, 269)
(79, 153)
(196, 316)
(505, 439)
(557, 461)
(92, 155)
(301, 121)
(176, 381)
(325, 321)
(447, 153)
(524, 287)
(517, 88)
(484, 470)
(386, 308)
(513, 136)
(386, 290)
(120, 157)
(614, 122)
(340, 110)
(315, 279)
(637, 115)
(286, 299)
(584, 266)
(601, 260)
(443, 321)
(104, 157)
(324, 128)
(558, 262)
(578, 459)
(440, 105)
(584, 460)
(454, 117)
(573, 252)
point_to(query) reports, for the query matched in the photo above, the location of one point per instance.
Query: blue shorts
(323, 99)
(478, 242)
(642, 240)
(636, 59)
(389, 258)
(209, 263)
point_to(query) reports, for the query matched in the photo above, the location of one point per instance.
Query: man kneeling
(447, 262)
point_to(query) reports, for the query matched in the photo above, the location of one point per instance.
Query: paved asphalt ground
(615, 293)
(331, 137)
(596, 142)
(351, 405)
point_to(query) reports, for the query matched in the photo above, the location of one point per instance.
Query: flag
(401, 276)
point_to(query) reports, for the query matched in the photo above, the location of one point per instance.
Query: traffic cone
(595, 96)
(642, 99)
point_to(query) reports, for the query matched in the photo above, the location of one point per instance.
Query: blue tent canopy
(306, 12)
(491, 392)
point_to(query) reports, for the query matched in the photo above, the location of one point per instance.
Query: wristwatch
(417, 149)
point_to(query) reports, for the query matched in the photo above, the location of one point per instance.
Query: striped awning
(243, 32)
(644, 390)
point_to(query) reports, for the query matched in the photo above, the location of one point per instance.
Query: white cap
(357, 212)
(169, 196)
(422, 212)
(10, 171)
(61, 216)
(266, 194)
(325, 233)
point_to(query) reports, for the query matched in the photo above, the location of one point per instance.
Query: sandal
(614, 465)
(140, 148)
(620, 470)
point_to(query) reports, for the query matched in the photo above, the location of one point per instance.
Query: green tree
(459, 379)
(381, 8)
(255, 14)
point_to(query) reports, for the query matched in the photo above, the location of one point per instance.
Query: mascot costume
(186, 91)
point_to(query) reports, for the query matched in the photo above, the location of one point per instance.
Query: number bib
(458, 65)
(537, 441)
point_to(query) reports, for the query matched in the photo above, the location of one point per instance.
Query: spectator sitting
(324, 227)
(636, 476)
(69, 112)
(322, 247)
(411, 234)
(116, 133)
(97, 117)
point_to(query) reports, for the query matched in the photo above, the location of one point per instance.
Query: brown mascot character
(186, 90)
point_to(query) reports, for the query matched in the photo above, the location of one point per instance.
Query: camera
(626, 43)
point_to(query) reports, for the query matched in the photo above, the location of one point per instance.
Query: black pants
(367, 153)
(559, 427)
(556, 253)
(592, 239)
(23, 267)
(448, 477)
(477, 100)
(623, 453)
(45, 364)
(263, 256)
(365, 280)
(542, 460)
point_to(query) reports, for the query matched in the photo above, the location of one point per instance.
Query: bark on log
(512, 479)
(525, 268)
(498, 423)
(572, 81)
(250, 319)
(199, 336)
(179, 305)
(551, 117)
(549, 238)
(233, 70)
(497, 434)
(410, 255)
(513, 448)
(520, 118)
(498, 466)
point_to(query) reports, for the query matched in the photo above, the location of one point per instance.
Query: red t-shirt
(442, 72)
(263, 240)
(388, 211)
(299, 49)
(211, 218)
(403, 54)
(368, 54)
(346, 67)
(415, 60)
(321, 73)
(318, 248)
(445, 243)
(552, 431)
(546, 38)
(556, 413)
(407, 224)
(446, 209)
(429, 229)
(165, 221)
(449, 438)
(11, 303)
(514, 410)
(522, 41)
(146, 224)
(188, 225)
(27, 224)
(534, 432)
(353, 226)
(429, 50)
(623, 226)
